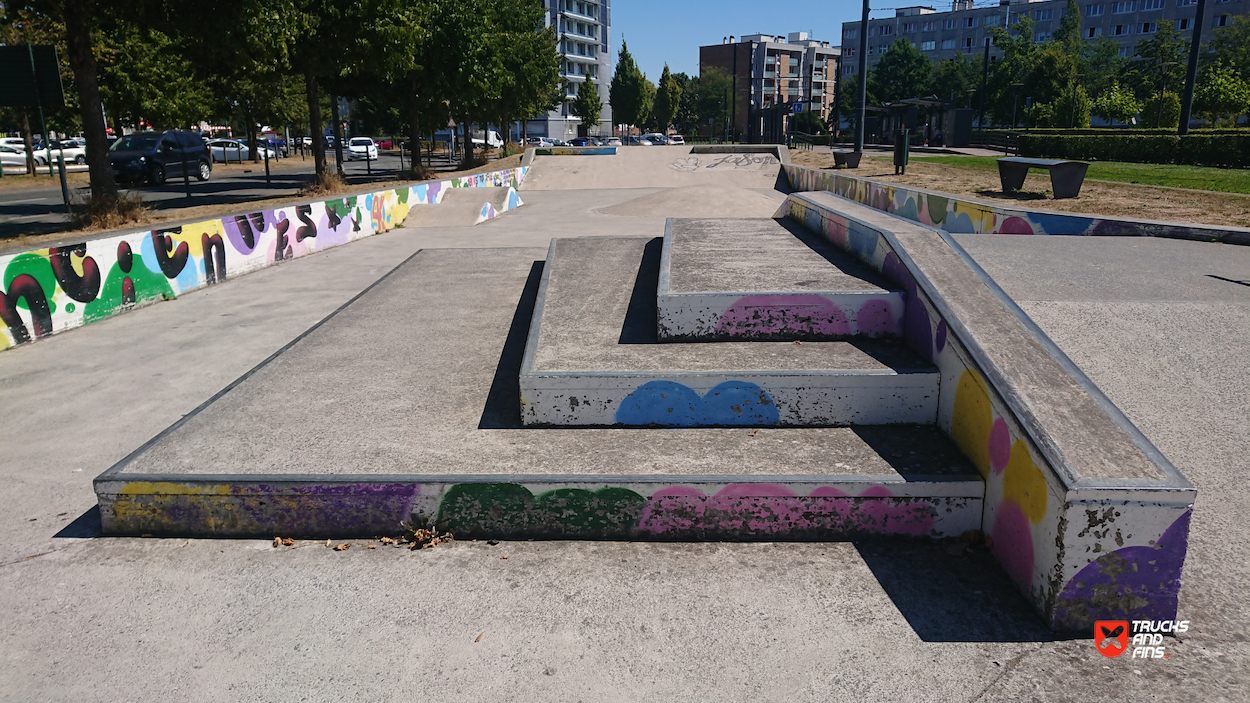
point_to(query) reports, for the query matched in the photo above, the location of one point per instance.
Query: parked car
(12, 157)
(75, 150)
(614, 141)
(386, 143)
(677, 139)
(361, 149)
(656, 138)
(41, 157)
(234, 150)
(156, 156)
(585, 141)
(558, 142)
(539, 141)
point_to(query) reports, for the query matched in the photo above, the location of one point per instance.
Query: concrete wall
(53, 289)
(1081, 548)
(968, 216)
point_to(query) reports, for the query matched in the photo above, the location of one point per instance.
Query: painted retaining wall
(968, 216)
(1081, 548)
(54, 289)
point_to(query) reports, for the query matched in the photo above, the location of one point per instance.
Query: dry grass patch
(102, 214)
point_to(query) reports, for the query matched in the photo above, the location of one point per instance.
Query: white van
(491, 139)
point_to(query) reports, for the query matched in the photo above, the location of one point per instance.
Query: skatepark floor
(1160, 325)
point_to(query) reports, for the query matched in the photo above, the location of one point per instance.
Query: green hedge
(1122, 132)
(1224, 150)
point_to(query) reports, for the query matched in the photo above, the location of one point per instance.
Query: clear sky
(672, 31)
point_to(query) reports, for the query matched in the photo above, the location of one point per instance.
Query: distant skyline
(672, 32)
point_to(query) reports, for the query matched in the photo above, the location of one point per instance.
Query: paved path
(1156, 323)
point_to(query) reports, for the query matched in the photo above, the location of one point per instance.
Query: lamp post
(1163, 85)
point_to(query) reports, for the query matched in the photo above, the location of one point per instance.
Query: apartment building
(583, 35)
(773, 73)
(964, 28)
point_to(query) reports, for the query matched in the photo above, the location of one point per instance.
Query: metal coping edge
(1072, 478)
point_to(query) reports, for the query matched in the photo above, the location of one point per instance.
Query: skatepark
(796, 414)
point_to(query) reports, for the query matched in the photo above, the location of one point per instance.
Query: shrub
(1223, 150)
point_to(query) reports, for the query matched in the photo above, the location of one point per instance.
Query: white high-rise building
(583, 35)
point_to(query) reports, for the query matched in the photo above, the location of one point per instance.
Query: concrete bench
(1066, 177)
(849, 159)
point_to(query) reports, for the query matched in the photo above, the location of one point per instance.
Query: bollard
(901, 147)
(265, 151)
(186, 175)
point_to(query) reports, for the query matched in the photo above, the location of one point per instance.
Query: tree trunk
(525, 137)
(468, 142)
(338, 134)
(252, 146)
(29, 141)
(314, 123)
(414, 127)
(77, 16)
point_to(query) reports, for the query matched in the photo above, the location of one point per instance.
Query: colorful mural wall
(965, 216)
(53, 289)
(1077, 560)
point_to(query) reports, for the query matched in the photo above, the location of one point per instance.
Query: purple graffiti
(1131, 583)
(876, 318)
(916, 329)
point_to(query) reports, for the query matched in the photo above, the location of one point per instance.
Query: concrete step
(593, 359)
(389, 411)
(766, 279)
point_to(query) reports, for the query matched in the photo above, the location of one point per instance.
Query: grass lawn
(1225, 180)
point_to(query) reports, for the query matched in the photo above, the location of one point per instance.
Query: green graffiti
(937, 209)
(343, 207)
(149, 287)
(39, 268)
(70, 307)
(402, 194)
(472, 510)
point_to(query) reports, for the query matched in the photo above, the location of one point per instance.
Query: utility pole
(1187, 102)
(862, 110)
(985, 74)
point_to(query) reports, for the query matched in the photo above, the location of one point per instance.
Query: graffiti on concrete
(57, 288)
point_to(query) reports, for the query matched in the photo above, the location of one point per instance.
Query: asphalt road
(41, 209)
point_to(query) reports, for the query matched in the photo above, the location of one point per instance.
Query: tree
(667, 99)
(587, 105)
(807, 122)
(1231, 46)
(715, 86)
(1118, 103)
(687, 117)
(956, 76)
(145, 76)
(1220, 92)
(904, 71)
(627, 93)
(1160, 58)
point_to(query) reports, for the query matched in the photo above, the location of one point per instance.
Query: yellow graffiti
(972, 420)
(138, 488)
(1024, 483)
(193, 235)
(982, 217)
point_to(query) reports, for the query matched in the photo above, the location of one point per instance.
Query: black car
(156, 156)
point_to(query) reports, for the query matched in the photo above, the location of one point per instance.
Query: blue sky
(673, 31)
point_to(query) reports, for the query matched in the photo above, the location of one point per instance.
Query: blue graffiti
(670, 404)
(863, 242)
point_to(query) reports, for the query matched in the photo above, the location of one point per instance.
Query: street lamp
(1163, 85)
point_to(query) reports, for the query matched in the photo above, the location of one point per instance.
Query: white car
(41, 156)
(613, 141)
(539, 141)
(12, 157)
(232, 150)
(656, 138)
(75, 150)
(677, 139)
(362, 148)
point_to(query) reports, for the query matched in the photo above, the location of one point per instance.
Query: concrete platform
(592, 359)
(767, 279)
(461, 207)
(425, 422)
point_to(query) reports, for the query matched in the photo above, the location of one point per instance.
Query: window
(909, 28)
(1126, 52)
(1094, 10)
(1184, 24)
(870, 49)
(1149, 27)
(1186, 3)
(928, 26)
(1148, 5)
(948, 43)
(970, 22)
(948, 24)
(1093, 32)
(849, 51)
(968, 43)
(1220, 21)
(1041, 37)
(848, 69)
(991, 20)
(1120, 8)
(1044, 15)
(928, 45)
(887, 30)
(850, 34)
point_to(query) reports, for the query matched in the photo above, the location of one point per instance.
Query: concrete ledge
(961, 215)
(55, 288)
(1086, 516)
(575, 151)
(779, 150)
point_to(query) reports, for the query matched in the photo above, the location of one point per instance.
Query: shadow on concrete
(953, 592)
(85, 526)
(503, 401)
(1017, 195)
(641, 317)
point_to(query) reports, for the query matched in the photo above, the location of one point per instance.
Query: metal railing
(1006, 140)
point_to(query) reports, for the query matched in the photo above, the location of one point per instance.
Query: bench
(1066, 177)
(849, 159)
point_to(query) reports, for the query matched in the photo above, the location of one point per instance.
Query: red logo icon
(1111, 637)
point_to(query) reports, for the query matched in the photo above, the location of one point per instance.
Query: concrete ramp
(700, 201)
(465, 207)
(654, 167)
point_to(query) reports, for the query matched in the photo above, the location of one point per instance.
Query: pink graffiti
(783, 314)
(1013, 542)
(1000, 445)
(1015, 225)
